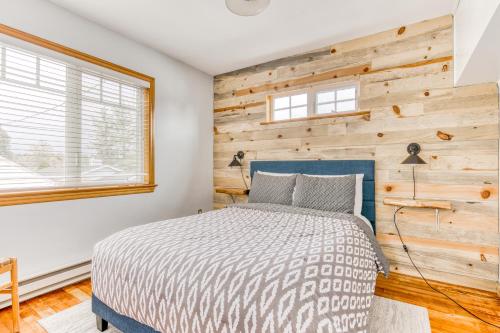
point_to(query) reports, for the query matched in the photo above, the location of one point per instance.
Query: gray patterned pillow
(334, 194)
(272, 189)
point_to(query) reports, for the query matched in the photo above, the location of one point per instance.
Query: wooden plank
(392, 239)
(447, 277)
(240, 107)
(420, 203)
(364, 114)
(310, 79)
(427, 135)
(44, 306)
(232, 191)
(426, 229)
(445, 316)
(435, 260)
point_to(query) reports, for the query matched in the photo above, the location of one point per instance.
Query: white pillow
(358, 198)
(364, 219)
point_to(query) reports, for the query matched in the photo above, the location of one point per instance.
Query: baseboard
(45, 283)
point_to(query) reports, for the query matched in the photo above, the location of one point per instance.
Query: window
(314, 102)
(336, 100)
(290, 107)
(71, 128)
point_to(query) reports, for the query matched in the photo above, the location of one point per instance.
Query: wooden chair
(10, 265)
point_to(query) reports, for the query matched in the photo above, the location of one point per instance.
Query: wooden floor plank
(445, 317)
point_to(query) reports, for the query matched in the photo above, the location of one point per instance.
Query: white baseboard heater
(45, 283)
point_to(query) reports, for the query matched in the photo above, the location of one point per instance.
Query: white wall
(476, 24)
(49, 236)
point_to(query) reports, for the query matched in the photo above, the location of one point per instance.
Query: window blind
(63, 125)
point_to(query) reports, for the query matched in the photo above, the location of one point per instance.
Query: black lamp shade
(413, 149)
(413, 159)
(235, 162)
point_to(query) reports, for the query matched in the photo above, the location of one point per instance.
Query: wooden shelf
(232, 191)
(365, 114)
(418, 203)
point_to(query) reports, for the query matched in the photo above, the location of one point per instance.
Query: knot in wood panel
(444, 136)
(396, 110)
(485, 194)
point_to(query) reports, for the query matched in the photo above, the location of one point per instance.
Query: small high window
(336, 100)
(290, 107)
(313, 102)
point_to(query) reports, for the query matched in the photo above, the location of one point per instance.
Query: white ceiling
(204, 34)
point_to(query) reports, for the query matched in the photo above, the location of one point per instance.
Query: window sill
(61, 194)
(364, 114)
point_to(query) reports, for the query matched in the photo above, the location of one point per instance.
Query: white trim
(45, 283)
(336, 87)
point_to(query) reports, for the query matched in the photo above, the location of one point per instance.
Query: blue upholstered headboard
(329, 167)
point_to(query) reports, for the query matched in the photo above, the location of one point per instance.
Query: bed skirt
(121, 322)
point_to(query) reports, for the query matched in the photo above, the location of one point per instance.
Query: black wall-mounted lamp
(413, 149)
(236, 162)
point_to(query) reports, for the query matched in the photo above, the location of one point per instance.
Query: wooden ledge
(232, 191)
(418, 203)
(364, 114)
(60, 194)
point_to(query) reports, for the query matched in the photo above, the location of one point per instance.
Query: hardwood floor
(445, 316)
(44, 306)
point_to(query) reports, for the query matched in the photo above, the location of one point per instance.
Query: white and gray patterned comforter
(246, 268)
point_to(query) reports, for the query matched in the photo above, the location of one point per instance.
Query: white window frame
(312, 104)
(289, 108)
(335, 87)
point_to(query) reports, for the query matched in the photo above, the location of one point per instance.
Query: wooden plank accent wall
(406, 81)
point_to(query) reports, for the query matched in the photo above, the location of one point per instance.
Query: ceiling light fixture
(247, 7)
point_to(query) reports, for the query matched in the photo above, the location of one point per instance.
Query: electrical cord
(405, 248)
(243, 177)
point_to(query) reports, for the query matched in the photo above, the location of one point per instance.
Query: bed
(246, 268)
